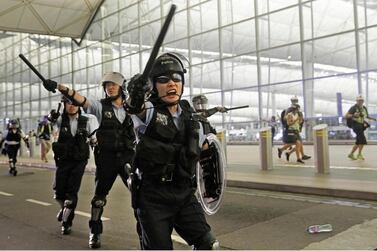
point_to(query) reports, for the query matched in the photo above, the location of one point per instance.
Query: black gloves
(137, 88)
(53, 116)
(50, 85)
(27, 143)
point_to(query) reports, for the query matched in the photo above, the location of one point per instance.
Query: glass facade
(258, 53)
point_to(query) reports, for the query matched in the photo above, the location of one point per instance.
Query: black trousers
(358, 128)
(68, 178)
(162, 207)
(12, 151)
(108, 166)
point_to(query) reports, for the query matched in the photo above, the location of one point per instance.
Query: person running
(71, 154)
(12, 140)
(116, 141)
(357, 116)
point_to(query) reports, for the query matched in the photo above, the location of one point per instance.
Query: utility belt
(118, 153)
(67, 151)
(166, 174)
(157, 172)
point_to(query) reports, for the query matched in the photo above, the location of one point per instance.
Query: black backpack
(282, 120)
(349, 121)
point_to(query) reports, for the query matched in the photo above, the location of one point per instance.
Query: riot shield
(211, 175)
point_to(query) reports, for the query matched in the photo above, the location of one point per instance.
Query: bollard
(22, 151)
(321, 149)
(32, 146)
(221, 136)
(265, 148)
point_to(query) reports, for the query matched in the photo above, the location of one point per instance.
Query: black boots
(13, 171)
(94, 240)
(66, 228)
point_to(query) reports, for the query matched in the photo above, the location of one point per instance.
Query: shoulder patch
(161, 119)
(108, 115)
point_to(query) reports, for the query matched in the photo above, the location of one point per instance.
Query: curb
(332, 192)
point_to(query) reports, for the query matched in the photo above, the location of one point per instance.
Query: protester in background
(274, 125)
(44, 134)
(301, 124)
(356, 116)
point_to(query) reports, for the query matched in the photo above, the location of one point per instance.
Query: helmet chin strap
(112, 98)
(170, 104)
(72, 114)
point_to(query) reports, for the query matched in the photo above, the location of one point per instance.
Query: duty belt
(165, 177)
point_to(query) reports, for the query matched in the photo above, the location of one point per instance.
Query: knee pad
(207, 242)
(97, 208)
(69, 204)
(98, 202)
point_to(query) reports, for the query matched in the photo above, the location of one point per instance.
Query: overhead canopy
(65, 18)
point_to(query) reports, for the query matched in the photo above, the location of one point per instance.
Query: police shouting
(115, 137)
(167, 153)
(71, 153)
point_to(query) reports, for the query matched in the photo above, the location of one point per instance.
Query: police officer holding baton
(115, 137)
(71, 153)
(167, 153)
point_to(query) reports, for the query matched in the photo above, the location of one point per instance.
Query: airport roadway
(248, 219)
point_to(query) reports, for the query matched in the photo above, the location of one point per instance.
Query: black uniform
(12, 144)
(12, 150)
(115, 148)
(207, 127)
(166, 157)
(71, 155)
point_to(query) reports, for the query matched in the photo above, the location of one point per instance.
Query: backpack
(349, 121)
(282, 120)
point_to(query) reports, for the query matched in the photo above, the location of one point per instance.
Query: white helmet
(114, 77)
(294, 100)
(359, 98)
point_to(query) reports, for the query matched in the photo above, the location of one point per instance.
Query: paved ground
(248, 219)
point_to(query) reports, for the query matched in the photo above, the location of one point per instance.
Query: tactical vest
(207, 128)
(113, 136)
(165, 149)
(13, 136)
(72, 147)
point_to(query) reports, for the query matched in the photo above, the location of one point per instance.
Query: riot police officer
(202, 113)
(200, 103)
(166, 157)
(115, 137)
(12, 139)
(71, 153)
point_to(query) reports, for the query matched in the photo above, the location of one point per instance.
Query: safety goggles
(176, 77)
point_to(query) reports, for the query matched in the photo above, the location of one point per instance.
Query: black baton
(158, 43)
(32, 67)
(237, 107)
